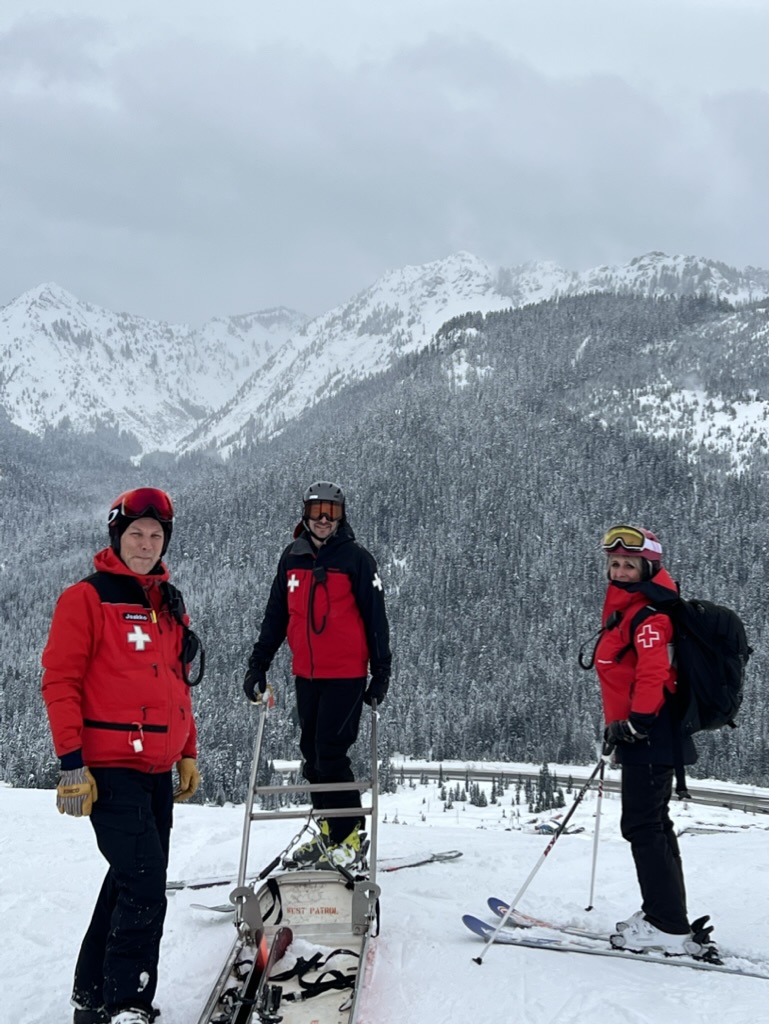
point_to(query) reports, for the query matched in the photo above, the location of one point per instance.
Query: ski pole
(538, 865)
(599, 801)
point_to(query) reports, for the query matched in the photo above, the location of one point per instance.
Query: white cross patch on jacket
(648, 636)
(139, 638)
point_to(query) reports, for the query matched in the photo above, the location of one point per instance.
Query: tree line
(483, 498)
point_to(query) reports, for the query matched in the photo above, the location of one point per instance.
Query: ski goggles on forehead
(628, 538)
(135, 504)
(623, 537)
(317, 510)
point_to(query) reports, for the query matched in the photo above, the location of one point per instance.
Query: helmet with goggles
(323, 498)
(141, 503)
(634, 542)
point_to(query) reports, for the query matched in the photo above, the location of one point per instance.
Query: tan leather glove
(189, 779)
(76, 793)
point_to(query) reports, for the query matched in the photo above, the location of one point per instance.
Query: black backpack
(711, 652)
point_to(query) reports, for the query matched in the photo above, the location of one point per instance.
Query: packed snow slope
(423, 971)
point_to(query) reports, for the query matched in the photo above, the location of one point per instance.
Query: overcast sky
(186, 159)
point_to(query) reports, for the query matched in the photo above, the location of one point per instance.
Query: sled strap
(276, 907)
(329, 979)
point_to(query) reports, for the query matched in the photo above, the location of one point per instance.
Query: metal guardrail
(751, 803)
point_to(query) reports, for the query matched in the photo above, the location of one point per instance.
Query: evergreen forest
(481, 473)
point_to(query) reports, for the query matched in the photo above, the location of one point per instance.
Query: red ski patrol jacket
(329, 604)
(638, 681)
(112, 679)
(637, 673)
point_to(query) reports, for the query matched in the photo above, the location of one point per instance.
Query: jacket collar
(660, 590)
(303, 544)
(107, 561)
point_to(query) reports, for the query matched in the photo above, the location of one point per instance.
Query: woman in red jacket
(115, 685)
(638, 678)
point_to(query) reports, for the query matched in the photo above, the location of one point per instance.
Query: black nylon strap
(124, 726)
(277, 903)
(329, 979)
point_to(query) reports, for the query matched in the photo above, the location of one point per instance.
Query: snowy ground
(422, 968)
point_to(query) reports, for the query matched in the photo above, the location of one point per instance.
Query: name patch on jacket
(136, 616)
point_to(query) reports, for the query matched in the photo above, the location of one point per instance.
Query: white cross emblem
(139, 638)
(293, 583)
(648, 635)
(376, 582)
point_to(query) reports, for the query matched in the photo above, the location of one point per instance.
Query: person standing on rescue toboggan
(327, 600)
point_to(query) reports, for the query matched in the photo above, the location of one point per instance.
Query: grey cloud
(188, 179)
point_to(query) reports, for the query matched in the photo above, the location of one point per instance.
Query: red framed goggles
(623, 537)
(317, 510)
(145, 501)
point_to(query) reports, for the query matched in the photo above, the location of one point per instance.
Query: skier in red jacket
(116, 687)
(638, 680)
(327, 600)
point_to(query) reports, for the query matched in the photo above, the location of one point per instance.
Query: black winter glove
(255, 680)
(376, 689)
(626, 731)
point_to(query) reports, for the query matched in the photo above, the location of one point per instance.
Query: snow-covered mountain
(243, 377)
(66, 360)
(654, 275)
(708, 392)
(401, 312)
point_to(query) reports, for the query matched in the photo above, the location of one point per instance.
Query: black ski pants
(329, 717)
(118, 962)
(646, 824)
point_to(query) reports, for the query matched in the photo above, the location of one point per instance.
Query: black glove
(254, 680)
(376, 689)
(625, 731)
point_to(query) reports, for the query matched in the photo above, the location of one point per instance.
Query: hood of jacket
(661, 589)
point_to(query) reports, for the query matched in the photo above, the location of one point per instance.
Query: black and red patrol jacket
(112, 682)
(328, 602)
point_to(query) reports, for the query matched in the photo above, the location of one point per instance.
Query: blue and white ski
(591, 946)
(517, 919)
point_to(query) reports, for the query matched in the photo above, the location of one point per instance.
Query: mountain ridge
(173, 388)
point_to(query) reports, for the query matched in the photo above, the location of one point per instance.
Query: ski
(393, 864)
(574, 944)
(248, 1001)
(200, 883)
(267, 997)
(401, 863)
(386, 864)
(519, 920)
